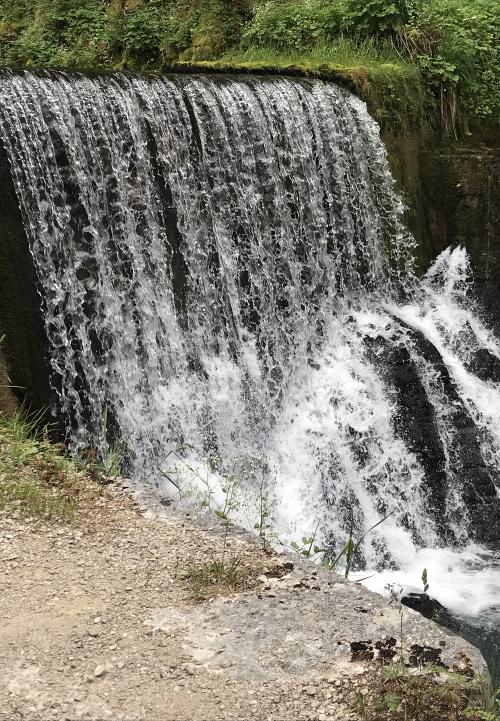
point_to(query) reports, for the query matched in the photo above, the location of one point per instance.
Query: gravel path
(99, 623)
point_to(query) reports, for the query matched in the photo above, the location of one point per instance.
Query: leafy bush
(461, 47)
(142, 31)
(59, 33)
(375, 17)
(294, 25)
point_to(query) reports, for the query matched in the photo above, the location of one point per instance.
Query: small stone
(310, 690)
(97, 619)
(99, 671)
(120, 664)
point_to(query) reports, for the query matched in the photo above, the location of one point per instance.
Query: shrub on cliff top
(294, 25)
(378, 17)
(457, 44)
(454, 43)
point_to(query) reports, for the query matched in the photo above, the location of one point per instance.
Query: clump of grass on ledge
(341, 54)
(391, 85)
(217, 577)
(427, 694)
(36, 479)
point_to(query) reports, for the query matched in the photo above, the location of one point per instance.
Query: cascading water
(224, 272)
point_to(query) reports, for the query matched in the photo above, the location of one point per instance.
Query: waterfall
(227, 286)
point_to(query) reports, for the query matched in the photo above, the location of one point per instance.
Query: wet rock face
(24, 347)
(488, 294)
(417, 425)
(486, 637)
(462, 191)
(452, 192)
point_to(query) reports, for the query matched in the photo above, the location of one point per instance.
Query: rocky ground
(99, 622)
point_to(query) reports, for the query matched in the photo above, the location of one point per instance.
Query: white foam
(466, 581)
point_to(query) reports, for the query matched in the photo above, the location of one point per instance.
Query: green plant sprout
(329, 559)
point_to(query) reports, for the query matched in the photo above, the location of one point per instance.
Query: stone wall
(21, 324)
(452, 191)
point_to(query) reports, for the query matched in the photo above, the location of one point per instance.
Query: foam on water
(466, 580)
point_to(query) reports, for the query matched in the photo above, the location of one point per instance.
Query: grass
(427, 694)
(217, 577)
(341, 55)
(36, 478)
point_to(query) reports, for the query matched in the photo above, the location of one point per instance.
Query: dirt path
(99, 623)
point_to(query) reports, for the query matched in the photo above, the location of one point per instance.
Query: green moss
(391, 88)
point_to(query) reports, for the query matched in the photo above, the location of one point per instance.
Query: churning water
(227, 289)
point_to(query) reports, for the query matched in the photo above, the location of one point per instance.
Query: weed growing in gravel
(223, 573)
(217, 488)
(263, 526)
(431, 695)
(396, 595)
(216, 577)
(112, 455)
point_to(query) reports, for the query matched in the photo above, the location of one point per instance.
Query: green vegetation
(36, 478)
(8, 403)
(329, 558)
(432, 58)
(430, 694)
(217, 577)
